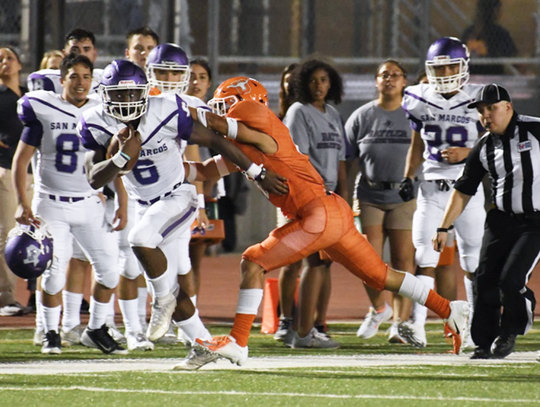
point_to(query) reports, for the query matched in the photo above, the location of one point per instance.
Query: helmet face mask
(29, 250)
(445, 52)
(165, 62)
(125, 101)
(124, 91)
(235, 90)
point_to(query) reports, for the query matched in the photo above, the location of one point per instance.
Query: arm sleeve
(33, 129)
(473, 172)
(185, 122)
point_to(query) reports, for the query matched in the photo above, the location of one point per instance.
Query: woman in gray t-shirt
(379, 135)
(317, 130)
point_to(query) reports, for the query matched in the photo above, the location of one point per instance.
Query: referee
(510, 154)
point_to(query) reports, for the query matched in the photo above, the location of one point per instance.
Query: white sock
(160, 286)
(249, 301)
(98, 313)
(470, 296)
(142, 299)
(51, 318)
(40, 325)
(130, 315)
(194, 300)
(71, 317)
(110, 311)
(194, 327)
(420, 289)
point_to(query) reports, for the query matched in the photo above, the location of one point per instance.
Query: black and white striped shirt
(513, 164)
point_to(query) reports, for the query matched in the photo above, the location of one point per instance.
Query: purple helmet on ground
(168, 69)
(447, 51)
(124, 90)
(29, 250)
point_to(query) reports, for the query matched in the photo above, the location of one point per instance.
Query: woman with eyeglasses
(379, 135)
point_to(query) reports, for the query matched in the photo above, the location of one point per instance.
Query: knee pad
(426, 257)
(53, 283)
(141, 236)
(468, 263)
(128, 263)
(108, 278)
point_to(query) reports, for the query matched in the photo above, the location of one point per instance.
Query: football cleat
(72, 337)
(373, 320)
(138, 341)
(169, 338)
(115, 333)
(457, 322)
(195, 359)
(314, 340)
(413, 334)
(393, 334)
(39, 335)
(102, 340)
(224, 346)
(160, 321)
(52, 344)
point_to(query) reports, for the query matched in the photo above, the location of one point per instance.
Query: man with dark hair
(64, 199)
(139, 44)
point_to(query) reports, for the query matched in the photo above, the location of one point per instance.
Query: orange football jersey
(304, 181)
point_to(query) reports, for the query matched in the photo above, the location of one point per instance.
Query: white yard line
(265, 363)
(269, 394)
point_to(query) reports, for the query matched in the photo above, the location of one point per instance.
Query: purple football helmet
(124, 90)
(29, 250)
(447, 51)
(168, 61)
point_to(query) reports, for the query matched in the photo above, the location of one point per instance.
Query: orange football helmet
(235, 90)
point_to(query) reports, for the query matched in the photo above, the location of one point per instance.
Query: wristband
(221, 166)
(200, 199)
(201, 116)
(262, 175)
(192, 171)
(232, 128)
(254, 170)
(445, 230)
(120, 160)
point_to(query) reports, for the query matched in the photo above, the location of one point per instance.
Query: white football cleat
(195, 359)
(170, 338)
(39, 335)
(72, 337)
(414, 334)
(314, 340)
(372, 321)
(224, 346)
(457, 322)
(160, 322)
(138, 341)
(393, 334)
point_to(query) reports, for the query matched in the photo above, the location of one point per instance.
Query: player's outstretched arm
(268, 180)
(22, 158)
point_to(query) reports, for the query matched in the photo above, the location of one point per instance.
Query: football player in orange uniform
(321, 220)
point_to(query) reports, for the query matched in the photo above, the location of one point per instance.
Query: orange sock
(242, 327)
(438, 304)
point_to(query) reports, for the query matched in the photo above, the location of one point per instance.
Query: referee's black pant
(510, 250)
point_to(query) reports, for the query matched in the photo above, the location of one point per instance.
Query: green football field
(370, 373)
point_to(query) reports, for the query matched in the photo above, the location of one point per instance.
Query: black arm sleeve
(474, 170)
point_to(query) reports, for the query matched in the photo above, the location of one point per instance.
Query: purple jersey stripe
(423, 100)
(178, 222)
(32, 133)
(185, 122)
(158, 128)
(88, 140)
(461, 104)
(51, 106)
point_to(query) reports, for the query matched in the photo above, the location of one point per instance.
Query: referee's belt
(443, 184)
(154, 200)
(525, 216)
(70, 199)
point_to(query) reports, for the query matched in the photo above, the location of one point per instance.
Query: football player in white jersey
(444, 130)
(78, 41)
(65, 200)
(168, 71)
(149, 128)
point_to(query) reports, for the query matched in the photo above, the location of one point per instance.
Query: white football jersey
(160, 166)
(442, 123)
(51, 126)
(49, 79)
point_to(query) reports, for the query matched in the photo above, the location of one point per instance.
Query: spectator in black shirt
(486, 38)
(510, 154)
(10, 132)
